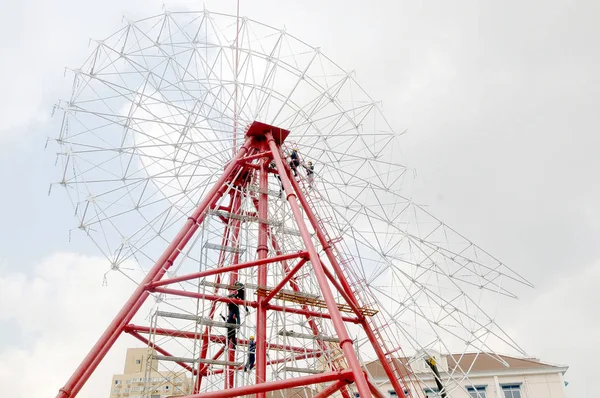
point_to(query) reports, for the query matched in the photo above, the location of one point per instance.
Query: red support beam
(314, 354)
(327, 247)
(285, 280)
(332, 389)
(236, 223)
(276, 385)
(205, 341)
(282, 360)
(253, 304)
(140, 294)
(339, 288)
(257, 156)
(160, 350)
(262, 252)
(213, 337)
(346, 343)
(229, 268)
(374, 390)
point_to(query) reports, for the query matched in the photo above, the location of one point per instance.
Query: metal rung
(290, 231)
(224, 248)
(265, 290)
(302, 370)
(312, 300)
(219, 362)
(174, 359)
(202, 320)
(188, 317)
(210, 322)
(255, 189)
(308, 336)
(241, 217)
(219, 285)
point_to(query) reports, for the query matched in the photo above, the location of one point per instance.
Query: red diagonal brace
(229, 268)
(285, 280)
(333, 388)
(336, 317)
(276, 385)
(114, 330)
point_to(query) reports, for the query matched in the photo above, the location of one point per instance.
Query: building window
(138, 361)
(118, 382)
(476, 392)
(394, 394)
(511, 390)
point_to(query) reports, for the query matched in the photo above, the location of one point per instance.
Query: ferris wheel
(164, 108)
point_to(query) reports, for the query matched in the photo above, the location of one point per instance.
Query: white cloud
(561, 325)
(59, 312)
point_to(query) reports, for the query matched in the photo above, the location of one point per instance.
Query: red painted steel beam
(213, 337)
(166, 260)
(346, 343)
(236, 267)
(374, 390)
(327, 247)
(285, 280)
(262, 251)
(276, 385)
(253, 304)
(160, 350)
(257, 156)
(205, 342)
(314, 354)
(340, 289)
(332, 389)
(236, 208)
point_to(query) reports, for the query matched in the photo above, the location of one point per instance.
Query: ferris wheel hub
(259, 129)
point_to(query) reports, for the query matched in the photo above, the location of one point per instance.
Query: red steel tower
(313, 262)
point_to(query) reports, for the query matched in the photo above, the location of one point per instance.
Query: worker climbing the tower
(233, 322)
(310, 173)
(240, 294)
(274, 167)
(251, 354)
(295, 161)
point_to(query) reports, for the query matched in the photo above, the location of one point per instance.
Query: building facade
(490, 376)
(140, 378)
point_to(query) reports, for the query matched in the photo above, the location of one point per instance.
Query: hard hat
(251, 337)
(237, 283)
(295, 149)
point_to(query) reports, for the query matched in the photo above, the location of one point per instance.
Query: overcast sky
(500, 100)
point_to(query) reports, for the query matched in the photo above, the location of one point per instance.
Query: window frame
(478, 389)
(508, 387)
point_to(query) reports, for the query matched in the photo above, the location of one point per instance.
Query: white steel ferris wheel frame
(160, 106)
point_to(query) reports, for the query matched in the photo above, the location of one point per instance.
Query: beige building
(140, 378)
(489, 377)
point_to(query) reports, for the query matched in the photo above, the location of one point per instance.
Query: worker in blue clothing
(251, 354)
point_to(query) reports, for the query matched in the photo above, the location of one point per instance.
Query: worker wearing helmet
(251, 354)
(310, 173)
(295, 161)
